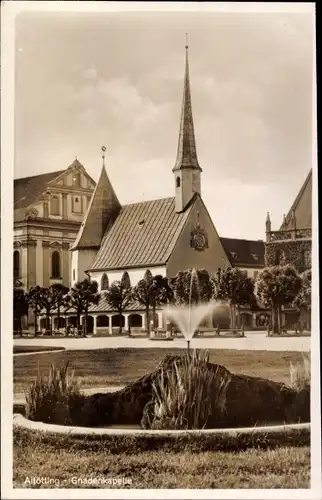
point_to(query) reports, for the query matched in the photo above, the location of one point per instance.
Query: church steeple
(187, 169)
(102, 210)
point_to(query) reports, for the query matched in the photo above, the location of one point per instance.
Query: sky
(84, 80)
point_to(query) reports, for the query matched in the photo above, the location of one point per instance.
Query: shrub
(300, 374)
(185, 395)
(54, 399)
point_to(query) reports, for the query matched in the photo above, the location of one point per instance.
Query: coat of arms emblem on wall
(199, 238)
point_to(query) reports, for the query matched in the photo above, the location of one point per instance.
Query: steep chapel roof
(143, 234)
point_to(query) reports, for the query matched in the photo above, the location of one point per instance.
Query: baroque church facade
(48, 211)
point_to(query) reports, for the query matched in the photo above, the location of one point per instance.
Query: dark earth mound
(249, 401)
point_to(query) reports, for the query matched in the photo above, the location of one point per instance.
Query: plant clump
(54, 399)
(186, 394)
(300, 374)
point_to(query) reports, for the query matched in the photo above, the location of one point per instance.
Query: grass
(103, 367)
(17, 349)
(63, 458)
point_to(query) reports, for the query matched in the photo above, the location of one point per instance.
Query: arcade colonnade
(103, 322)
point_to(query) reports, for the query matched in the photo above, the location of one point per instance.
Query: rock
(249, 401)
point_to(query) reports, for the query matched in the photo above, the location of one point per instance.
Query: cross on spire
(103, 149)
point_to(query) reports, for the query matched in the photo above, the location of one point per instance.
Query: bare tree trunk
(78, 322)
(233, 316)
(279, 319)
(35, 324)
(153, 312)
(238, 317)
(58, 315)
(274, 319)
(147, 313)
(86, 320)
(120, 322)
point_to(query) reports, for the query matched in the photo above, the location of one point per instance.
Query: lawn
(121, 366)
(68, 461)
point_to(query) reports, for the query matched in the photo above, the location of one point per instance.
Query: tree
(20, 308)
(233, 286)
(192, 286)
(302, 301)
(142, 293)
(48, 304)
(81, 296)
(119, 296)
(59, 293)
(278, 286)
(161, 293)
(35, 300)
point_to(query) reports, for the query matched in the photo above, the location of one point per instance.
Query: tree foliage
(142, 293)
(20, 308)
(119, 296)
(233, 286)
(278, 286)
(35, 299)
(81, 296)
(191, 286)
(304, 297)
(59, 293)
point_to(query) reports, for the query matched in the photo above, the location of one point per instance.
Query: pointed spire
(103, 208)
(268, 224)
(293, 220)
(186, 154)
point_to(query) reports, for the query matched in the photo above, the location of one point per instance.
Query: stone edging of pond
(51, 351)
(21, 421)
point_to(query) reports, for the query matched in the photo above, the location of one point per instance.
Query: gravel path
(252, 341)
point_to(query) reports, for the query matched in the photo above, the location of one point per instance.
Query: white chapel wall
(135, 274)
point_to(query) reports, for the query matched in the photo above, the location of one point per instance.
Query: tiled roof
(249, 253)
(28, 189)
(143, 234)
(103, 306)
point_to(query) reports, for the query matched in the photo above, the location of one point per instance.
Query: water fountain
(188, 317)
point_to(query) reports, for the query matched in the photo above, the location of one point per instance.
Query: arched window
(54, 205)
(104, 282)
(16, 264)
(55, 265)
(126, 280)
(178, 182)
